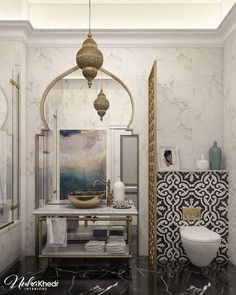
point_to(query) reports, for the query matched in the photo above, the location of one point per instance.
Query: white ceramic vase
(118, 192)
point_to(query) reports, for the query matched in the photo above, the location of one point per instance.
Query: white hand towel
(56, 231)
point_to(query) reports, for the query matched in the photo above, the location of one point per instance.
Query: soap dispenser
(202, 164)
(118, 192)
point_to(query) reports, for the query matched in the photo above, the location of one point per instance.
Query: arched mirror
(76, 147)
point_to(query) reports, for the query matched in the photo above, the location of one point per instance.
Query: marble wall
(229, 124)
(72, 103)
(189, 106)
(189, 102)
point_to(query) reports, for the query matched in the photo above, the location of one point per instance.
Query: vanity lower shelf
(76, 246)
(77, 250)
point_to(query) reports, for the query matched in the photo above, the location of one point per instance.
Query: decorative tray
(122, 206)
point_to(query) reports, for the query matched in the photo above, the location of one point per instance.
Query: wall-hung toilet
(200, 244)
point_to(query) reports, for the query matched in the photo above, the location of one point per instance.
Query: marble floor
(77, 277)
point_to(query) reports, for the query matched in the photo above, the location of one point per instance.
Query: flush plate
(191, 213)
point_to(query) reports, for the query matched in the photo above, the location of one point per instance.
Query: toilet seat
(199, 234)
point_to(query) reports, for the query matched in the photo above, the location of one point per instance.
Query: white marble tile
(189, 103)
(72, 101)
(69, 209)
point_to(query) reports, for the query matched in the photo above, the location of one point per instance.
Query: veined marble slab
(70, 210)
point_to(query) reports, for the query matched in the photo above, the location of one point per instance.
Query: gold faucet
(108, 184)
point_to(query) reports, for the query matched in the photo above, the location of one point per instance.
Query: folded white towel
(115, 243)
(56, 231)
(117, 252)
(116, 247)
(115, 238)
(95, 246)
(95, 242)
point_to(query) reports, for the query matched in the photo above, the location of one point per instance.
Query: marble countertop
(70, 210)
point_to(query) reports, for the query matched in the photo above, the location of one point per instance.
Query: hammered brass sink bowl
(86, 199)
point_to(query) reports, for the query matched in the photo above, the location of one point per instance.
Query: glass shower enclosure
(9, 150)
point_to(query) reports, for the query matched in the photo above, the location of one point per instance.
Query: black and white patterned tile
(177, 189)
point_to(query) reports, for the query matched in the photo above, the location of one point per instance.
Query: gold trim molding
(152, 166)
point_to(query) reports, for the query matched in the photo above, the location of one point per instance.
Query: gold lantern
(101, 104)
(89, 58)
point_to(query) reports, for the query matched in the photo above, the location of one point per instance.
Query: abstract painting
(82, 160)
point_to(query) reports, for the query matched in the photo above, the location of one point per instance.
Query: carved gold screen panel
(152, 169)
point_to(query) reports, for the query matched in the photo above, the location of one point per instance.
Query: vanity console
(78, 153)
(76, 248)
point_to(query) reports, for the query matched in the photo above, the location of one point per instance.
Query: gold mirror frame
(46, 126)
(71, 70)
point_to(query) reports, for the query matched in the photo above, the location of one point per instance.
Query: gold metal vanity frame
(40, 218)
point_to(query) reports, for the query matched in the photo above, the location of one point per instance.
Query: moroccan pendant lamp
(101, 103)
(89, 58)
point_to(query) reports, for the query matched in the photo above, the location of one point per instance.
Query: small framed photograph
(168, 158)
